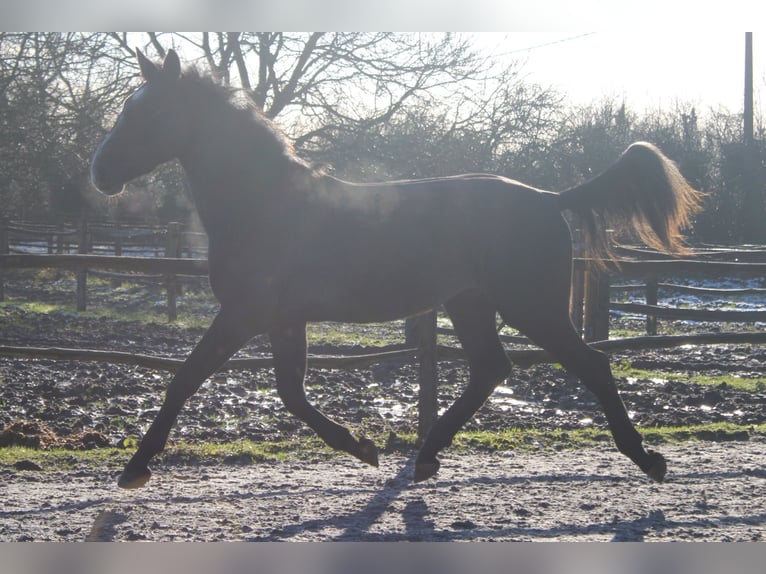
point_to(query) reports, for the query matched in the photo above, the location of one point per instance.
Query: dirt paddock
(714, 492)
(714, 489)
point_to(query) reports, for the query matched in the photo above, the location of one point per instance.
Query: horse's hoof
(425, 470)
(657, 466)
(134, 478)
(368, 452)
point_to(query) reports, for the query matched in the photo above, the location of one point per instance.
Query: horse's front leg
(288, 344)
(228, 332)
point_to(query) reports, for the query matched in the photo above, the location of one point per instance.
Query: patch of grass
(625, 370)
(533, 439)
(127, 300)
(241, 452)
(62, 459)
(371, 335)
(625, 333)
(312, 448)
(9, 306)
(43, 308)
(721, 431)
(187, 319)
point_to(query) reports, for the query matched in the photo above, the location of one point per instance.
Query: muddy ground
(713, 492)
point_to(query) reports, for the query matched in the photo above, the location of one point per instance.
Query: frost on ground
(714, 492)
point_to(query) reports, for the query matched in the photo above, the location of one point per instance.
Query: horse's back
(462, 221)
(430, 200)
(482, 209)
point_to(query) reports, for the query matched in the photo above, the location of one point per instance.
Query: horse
(290, 245)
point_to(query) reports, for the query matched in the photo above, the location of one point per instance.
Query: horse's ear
(148, 70)
(171, 66)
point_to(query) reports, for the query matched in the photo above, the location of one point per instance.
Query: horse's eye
(141, 113)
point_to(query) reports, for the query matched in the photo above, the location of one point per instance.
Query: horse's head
(149, 131)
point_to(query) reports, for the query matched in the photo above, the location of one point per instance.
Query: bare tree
(325, 85)
(332, 92)
(56, 89)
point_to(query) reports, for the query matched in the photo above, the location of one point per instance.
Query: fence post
(60, 239)
(116, 281)
(577, 296)
(428, 373)
(82, 272)
(651, 299)
(411, 331)
(4, 249)
(596, 305)
(602, 323)
(172, 249)
(589, 304)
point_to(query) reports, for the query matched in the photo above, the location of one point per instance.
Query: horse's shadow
(419, 526)
(356, 525)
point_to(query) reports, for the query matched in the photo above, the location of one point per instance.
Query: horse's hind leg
(473, 318)
(288, 345)
(550, 327)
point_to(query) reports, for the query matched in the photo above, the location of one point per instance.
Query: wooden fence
(592, 299)
(591, 303)
(154, 253)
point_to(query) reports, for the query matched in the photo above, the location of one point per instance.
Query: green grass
(312, 449)
(532, 439)
(625, 333)
(61, 459)
(42, 308)
(184, 453)
(370, 335)
(187, 320)
(625, 370)
(712, 431)
(247, 451)
(126, 301)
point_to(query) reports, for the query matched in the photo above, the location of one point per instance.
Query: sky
(703, 68)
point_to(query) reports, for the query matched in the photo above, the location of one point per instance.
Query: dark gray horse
(290, 246)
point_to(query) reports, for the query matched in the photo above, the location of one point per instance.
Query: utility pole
(748, 134)
(753, 200)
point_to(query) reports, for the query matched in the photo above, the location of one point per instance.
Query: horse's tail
(642, 195)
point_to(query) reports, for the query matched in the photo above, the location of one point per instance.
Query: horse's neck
(236, 175)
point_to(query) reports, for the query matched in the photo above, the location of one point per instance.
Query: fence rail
(83, 247)
(157, 265)
(520, 357)
(171, 364)
(596, 304)
(694, 290)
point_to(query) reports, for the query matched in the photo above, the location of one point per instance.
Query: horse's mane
(237, 100)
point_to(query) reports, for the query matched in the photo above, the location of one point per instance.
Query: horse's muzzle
(108, 189)
(102, 181)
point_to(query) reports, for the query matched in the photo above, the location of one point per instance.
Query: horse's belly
(376, 300)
